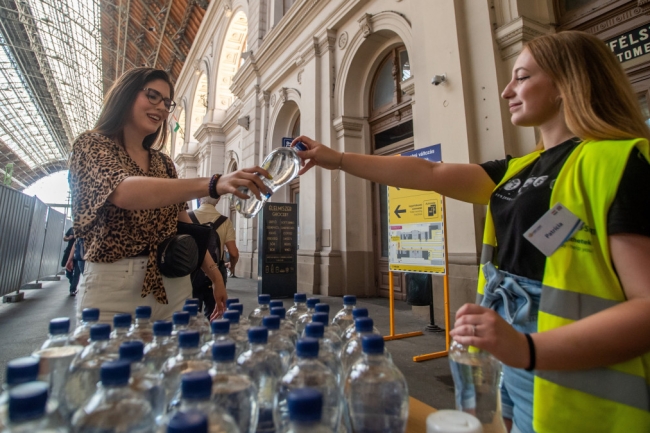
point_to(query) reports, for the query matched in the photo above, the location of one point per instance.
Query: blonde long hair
(597, 97)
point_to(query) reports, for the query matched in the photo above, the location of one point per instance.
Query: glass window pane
(383, 215)
(404, 65)
(384, 86)
(575, 4)
(394, 135)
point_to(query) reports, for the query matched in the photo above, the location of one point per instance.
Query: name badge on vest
(553, 229)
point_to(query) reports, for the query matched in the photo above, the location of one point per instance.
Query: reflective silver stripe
(604, 383)
(479, 299)
(487, 254)
(572, 305)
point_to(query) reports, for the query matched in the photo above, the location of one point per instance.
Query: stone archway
(230, 61)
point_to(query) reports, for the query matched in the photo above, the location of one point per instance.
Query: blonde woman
(572, 326)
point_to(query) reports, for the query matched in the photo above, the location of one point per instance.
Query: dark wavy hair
(119, 101)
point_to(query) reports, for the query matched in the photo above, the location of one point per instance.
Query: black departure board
(278, 245)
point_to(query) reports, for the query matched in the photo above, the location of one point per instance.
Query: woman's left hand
(483, 328)
(219, 292)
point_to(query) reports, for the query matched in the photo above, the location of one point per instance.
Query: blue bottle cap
(271, 322)
(307, 348)
(363, 324)
(188, 422)
(27, 401)
(193, 309)
(232, 301)
(100, 332)
(281, 312)
(237, 307)
(220, 327)
(231, 315)
(301, 146)
(192, 301)
(311, 302)
(277, 303)
(359, 312)
(322, 308)
(315, 330)
(115, 373)
(22, 370)
(188, 339)
(60, 325)
(132, 351)
(197, 385)
(372, 344)
(258, 335)
(181, 318)
(162, 328)
(143, 312)
(90, 314)
(323, 318)
(349, 300)
(305, 405)
(122, 320)
(263, 299)
(299, 297)
(224, 351)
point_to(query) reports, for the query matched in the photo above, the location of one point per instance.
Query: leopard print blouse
(97, 166)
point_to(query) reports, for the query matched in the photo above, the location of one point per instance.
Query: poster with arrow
(416, 231)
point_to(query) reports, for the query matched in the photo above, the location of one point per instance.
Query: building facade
(357, 76)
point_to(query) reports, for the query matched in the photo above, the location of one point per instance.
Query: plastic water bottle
(351, 330)
(327, 354)
(198, 323)
(142, 329)
(344, 318)
(325, 308)
(305, 318)
(305, 411)
(353, 350)
(283, 165)
(196, 389)
(220, 330)
(188, 359)
(299, 307)
(244, 323)
(84, 373)
(120, 333)
(59, 333)
(308, 371)
(262, 310)
(376, 392)
(477, 376)
(286, 326)
(161, 348)
(144, 380)
(329, 335)
(278, 342)
(232, 389)
(231, 301)
(186, 422)
(19, 371)
(276, 304)
(237, 333)
(180, 321)
(27, 410)
(264, 367)
(81, 335)
(115, 407)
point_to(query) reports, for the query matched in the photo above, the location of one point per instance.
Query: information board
(277, 252)
(416, 232)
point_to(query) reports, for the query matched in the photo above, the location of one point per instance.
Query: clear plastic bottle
(231, 301)
(144, 380)
(376, 392)
(305, 411)
(327, 354)
(84, 373)
(188, 359)
(142, 329)
(286, 326)
(181, 322)
(264, 367)
(343, 317)
(477, 376)
(256, 316)
(27, 410)
(198, 322)
(276, 304)
(120, 333)
(352, 350)
(283, 165)
(237, 333)
(115, 407)
(298, 308)
(59, 333)
(244, 323)
(278, 341)
(232, 389)
(19, 371)
(196, 389)
(220, 330)
(305, 318)
(81, 335)
(308, 371)
(330, 335)
(351, 331)
(161, 348)
(186, 422)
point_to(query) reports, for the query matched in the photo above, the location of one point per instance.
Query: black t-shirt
(521, 201)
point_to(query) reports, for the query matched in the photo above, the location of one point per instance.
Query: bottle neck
(199, 404)
(120, 332)
(256, 347)
(142, 322)
(161, 339)
(188, 351)
(219, 337)
(225, 367)
(179, 328)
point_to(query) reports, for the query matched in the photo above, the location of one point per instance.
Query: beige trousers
(116, 288)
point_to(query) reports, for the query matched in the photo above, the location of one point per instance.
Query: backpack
(214, 247)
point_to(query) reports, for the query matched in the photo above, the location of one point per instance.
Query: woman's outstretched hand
(318, 154)
(246, 177)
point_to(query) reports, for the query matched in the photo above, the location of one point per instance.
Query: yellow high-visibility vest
(579, 280)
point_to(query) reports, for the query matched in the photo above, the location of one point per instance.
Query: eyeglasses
(155, 97)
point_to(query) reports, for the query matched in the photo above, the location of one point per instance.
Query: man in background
(69, 238)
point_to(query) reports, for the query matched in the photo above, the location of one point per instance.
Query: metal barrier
(34, 250)
(53, 246)
(15, 212)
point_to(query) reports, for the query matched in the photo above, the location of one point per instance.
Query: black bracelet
(531, 351)
(212, 187)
